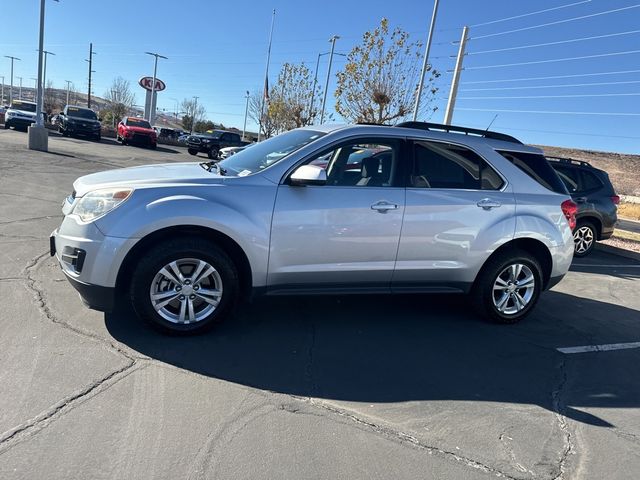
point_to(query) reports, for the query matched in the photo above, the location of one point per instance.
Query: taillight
(615, 199)
(569, 208)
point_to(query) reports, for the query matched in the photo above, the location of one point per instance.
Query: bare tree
(290, 99)
(380, 80)
(50, 98)
(255, 107)
(120, 98)
(193, 113)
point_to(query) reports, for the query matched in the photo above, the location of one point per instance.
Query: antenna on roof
(491, 122)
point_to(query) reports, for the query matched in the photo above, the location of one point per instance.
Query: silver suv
(419, 208)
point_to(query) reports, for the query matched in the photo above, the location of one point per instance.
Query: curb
(621, 252)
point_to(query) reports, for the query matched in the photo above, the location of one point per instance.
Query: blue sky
(217, 51)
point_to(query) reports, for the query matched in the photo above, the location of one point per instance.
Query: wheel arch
(532, 246)
(595, 221)
(231, 248)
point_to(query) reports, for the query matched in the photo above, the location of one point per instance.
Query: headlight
(9, 114)
(100, 202)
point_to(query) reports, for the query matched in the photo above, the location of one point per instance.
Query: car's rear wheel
(212, 154)
(508, 287)
(192, 151)
(184, 286)
(584, 238)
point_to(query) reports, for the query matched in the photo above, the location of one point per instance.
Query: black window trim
(411, 139)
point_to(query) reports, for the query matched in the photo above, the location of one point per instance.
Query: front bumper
(80, 130)
(95, 297)
(18, 122)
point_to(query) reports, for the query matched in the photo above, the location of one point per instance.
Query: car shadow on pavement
(403, 348)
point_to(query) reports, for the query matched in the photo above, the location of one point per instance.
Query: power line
(550, 77)
(556, 96)
(530, 14)
(557, 22)
(612, 54)
(550, 86)
(553, 43)
(610, 114)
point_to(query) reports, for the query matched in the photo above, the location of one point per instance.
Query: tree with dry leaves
(380, 80)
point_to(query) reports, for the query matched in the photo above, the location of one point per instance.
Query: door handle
(383, 207)
(488, 204)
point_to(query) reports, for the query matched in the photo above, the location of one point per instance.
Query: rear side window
(590, 181)
(538, 168)
(443, 165)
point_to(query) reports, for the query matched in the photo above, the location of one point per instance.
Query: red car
(136, 131)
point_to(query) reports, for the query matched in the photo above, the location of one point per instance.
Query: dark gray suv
(596, 198)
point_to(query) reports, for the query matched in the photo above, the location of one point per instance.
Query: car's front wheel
(584, 238)
(192, 151)
(212, 154)
(184, 286)
(508, 287)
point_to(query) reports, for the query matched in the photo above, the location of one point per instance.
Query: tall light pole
(38, 136)
(152, 114)
(315, 77)
(11, 85)
(2, 94)
(20, 91)
(451, 103)
(425, 61)
(44, 73)
(246, 110)
(193, 116)
(68, 89)
(265, 94)
(326, 85)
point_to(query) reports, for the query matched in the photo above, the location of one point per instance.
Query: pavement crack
(506, 441)
(32, 426)
(399, 436)
(559, 409)
(30, 219)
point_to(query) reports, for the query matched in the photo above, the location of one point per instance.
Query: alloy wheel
(513, 289)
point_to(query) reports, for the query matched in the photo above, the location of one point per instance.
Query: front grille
(194, 140)
(141, 138)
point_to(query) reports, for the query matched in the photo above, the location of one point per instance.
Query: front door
(344, 234)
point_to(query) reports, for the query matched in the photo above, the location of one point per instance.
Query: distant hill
(623, 169)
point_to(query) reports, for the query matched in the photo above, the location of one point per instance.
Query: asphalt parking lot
(302, 387)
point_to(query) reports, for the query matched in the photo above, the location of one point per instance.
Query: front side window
(444, 165)
(362, 163)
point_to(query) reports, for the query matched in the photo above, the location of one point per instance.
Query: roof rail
(570, 160)
(452, 128)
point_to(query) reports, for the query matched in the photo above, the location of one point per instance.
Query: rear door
(344, 234)
(458, 209)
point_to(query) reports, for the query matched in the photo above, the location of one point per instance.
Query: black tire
(153, 146)
(176, 250)
(192, 151)
(482, 294)
(124, 142)
(212, 153)
(7, 126)
(98, 137)
(584, 238)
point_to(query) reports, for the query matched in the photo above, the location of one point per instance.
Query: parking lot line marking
(605, 266)
(599, 348)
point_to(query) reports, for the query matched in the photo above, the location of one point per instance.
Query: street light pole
(425, 61)
(152, 113)
(326, 86)
(38, 136)
(246, 110)
(193, 116)
(2, 94)
(11, 85)
(20, 91)
(68, 88)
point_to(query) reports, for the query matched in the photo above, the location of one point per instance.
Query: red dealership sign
(147, 82)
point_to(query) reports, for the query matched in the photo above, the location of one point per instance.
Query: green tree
(380, 80)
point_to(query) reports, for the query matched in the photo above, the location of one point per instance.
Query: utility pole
(152, 113)
(425, 61)
(2, 94)
(456, 78)
(20, 91)
(68, 89)
(326, 85)
(193, 115)
(90, 60)
(38, 136)
(11, 85)
(246, 111)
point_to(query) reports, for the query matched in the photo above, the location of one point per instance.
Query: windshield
(264, 154)
(24, 106)
(213, 134)
(134, 122)
(81, 113)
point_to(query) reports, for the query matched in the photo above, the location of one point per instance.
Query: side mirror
(309, 175)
